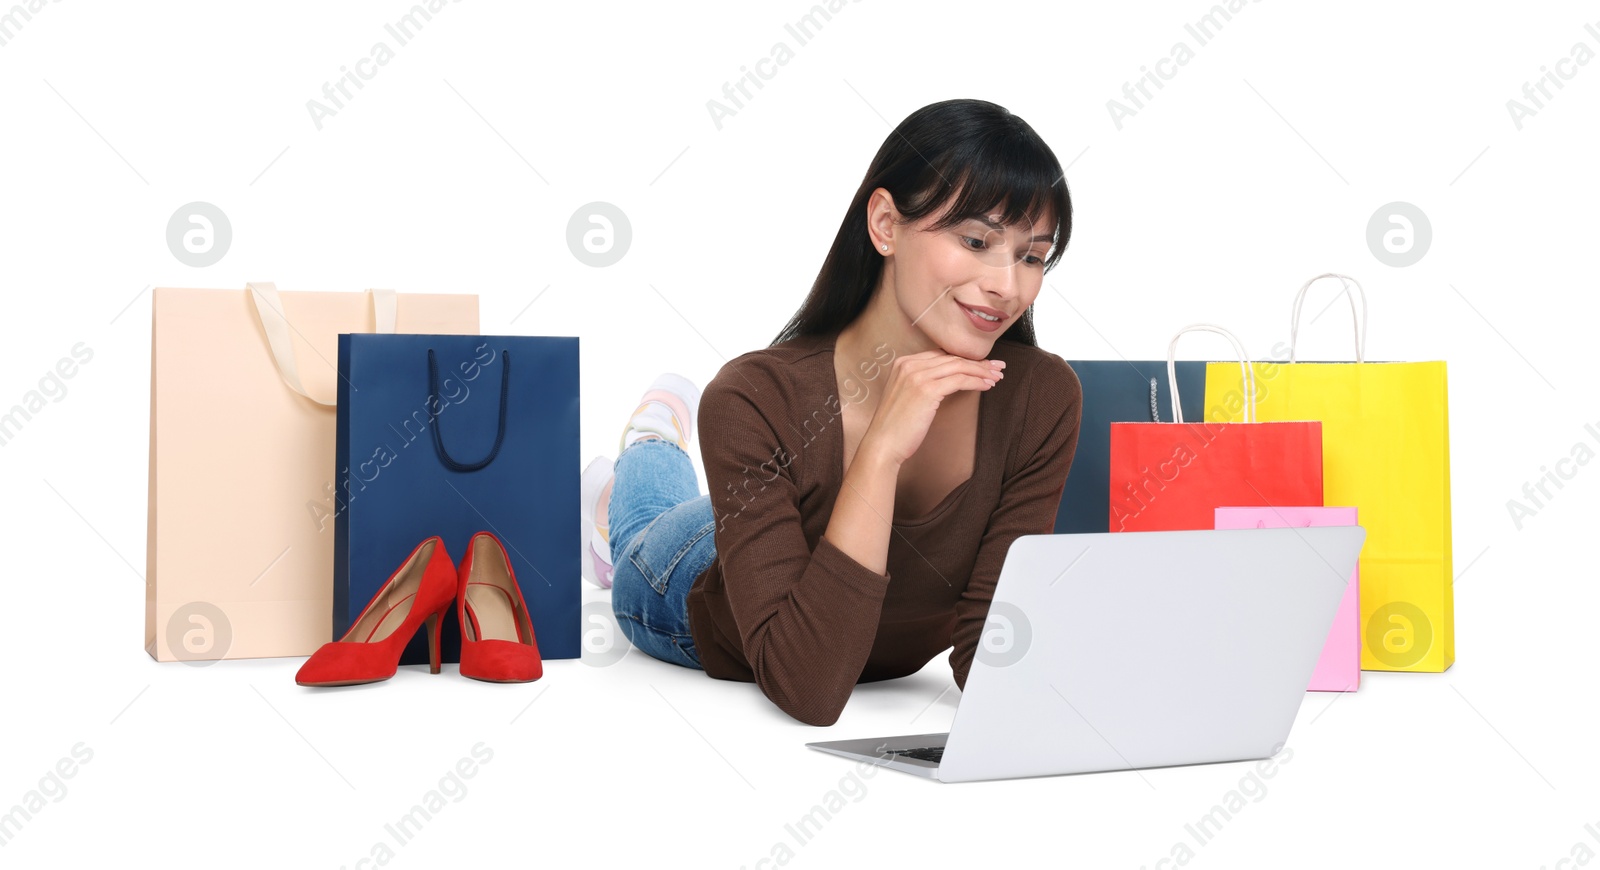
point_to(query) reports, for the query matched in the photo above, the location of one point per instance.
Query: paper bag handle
(269, 311)
(449, 461)
(1244, 368)
(1359, 322)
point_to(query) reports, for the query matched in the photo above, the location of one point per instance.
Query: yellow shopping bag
(1386, 451)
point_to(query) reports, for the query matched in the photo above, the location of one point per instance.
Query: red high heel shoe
(419, 591)
(497, 642)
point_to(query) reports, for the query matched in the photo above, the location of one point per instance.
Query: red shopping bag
(1170, 476)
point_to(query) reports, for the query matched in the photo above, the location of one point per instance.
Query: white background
(457, 168)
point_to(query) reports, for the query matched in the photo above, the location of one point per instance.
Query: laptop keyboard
(926, 753)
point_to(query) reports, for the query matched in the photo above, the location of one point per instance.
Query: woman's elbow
(806, 704)
(814, 713)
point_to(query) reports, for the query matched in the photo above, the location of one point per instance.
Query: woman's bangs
(1021, 187)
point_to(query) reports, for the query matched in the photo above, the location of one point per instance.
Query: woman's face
(942, 279)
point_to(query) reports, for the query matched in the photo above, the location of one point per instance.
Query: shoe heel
(435, 626)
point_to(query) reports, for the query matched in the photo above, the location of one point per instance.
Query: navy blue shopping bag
(450, 435)
(1118, 391)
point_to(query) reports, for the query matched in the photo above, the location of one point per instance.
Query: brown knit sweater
(781, 606)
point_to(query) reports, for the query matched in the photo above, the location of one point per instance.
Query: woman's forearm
(864, 509)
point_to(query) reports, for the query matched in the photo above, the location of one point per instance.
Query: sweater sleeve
(807, 617)
(1029, 499)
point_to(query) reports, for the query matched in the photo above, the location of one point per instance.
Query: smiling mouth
(989, 317)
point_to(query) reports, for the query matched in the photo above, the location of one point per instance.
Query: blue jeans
(660, 542)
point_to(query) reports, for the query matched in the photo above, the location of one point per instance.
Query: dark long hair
(973, 150)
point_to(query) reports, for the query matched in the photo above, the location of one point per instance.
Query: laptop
(1127, 650)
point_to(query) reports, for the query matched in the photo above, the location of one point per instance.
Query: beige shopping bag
(241, 525)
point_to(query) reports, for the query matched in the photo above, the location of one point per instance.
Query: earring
(886, 247)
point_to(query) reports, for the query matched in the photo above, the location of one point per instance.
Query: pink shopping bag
(1339, 668)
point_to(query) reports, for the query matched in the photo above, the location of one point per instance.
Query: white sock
(654, 419)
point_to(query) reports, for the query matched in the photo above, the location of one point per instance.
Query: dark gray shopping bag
(1118, 391)
(451, 435)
